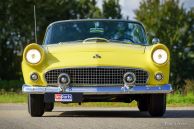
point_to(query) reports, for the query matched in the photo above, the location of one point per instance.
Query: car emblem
(97, 56)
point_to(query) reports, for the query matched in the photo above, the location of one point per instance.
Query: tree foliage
(17, 25)
(173, 25)
(111, 9)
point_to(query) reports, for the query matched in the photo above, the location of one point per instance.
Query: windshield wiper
(70, 41)
(126, 42)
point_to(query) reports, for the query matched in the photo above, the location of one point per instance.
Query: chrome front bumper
(167, 88)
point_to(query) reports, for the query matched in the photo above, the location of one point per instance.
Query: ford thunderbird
(96, 60)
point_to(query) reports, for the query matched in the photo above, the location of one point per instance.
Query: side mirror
(155, 40)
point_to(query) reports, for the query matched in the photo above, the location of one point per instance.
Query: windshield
(112, 30)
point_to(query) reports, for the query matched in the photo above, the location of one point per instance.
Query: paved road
(15, 116)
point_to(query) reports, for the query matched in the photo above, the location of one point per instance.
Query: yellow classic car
(96, 60)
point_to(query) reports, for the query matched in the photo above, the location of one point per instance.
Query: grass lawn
(9, 97)
(177, 99)
(172, 100)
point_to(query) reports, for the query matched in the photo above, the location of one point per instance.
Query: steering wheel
(96, 39)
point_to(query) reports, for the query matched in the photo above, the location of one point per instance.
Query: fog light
(129, 78)
(63, 79)
(34, 76)
(159, 76)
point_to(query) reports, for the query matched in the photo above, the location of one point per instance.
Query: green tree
(171, 23)
(88, 9)
(111, 9)
(17, 26)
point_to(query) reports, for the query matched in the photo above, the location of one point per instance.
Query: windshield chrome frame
(80, 20)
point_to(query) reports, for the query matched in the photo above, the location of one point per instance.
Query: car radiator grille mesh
(96, 76)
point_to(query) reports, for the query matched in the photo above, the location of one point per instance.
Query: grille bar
(96, 76)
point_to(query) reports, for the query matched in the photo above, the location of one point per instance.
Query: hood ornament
(97, 56)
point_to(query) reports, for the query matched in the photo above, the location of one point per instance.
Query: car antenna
(35, 31)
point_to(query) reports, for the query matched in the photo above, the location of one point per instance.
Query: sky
(128, 6)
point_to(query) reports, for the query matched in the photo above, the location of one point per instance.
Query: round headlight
(160, 56)
(33, 56)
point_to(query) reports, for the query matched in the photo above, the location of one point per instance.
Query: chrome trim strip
(167, 88)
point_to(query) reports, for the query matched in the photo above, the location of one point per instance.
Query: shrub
(11, 85)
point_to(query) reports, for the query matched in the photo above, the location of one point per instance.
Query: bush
(189, 87)
(11, 85)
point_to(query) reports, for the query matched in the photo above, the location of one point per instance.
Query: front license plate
(63, 98)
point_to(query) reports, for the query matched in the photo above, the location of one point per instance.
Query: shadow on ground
(117, 114)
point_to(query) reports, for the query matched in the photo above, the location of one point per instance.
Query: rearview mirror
(155, 40)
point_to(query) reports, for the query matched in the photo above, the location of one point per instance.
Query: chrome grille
(99, 76)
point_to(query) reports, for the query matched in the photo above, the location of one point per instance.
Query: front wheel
(142, 103)
(36, 104)
(157, 105)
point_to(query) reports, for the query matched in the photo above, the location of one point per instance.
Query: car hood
(93, 54)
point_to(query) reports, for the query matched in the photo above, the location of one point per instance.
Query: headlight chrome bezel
(33, 52)
(163, 56)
